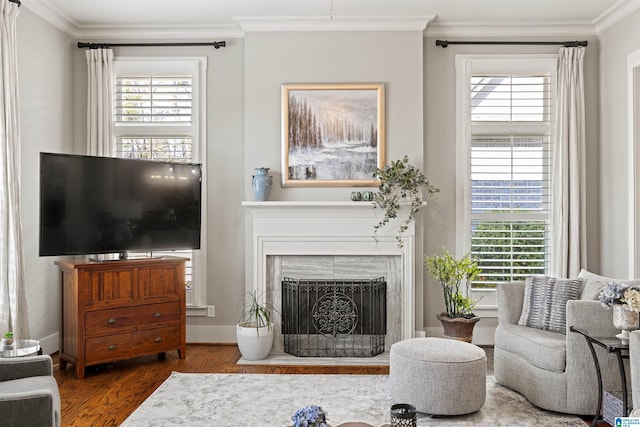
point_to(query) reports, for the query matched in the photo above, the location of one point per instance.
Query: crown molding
(159, 33)
(499, 29)
(65, 24)
(615, 14)
(351, 23)
(62, 22)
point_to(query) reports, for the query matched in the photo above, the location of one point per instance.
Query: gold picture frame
(333, 135)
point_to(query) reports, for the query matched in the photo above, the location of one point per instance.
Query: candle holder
(403, 415)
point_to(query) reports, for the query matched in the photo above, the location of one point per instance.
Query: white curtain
(568, 195)
(99, 95)
(13, 302)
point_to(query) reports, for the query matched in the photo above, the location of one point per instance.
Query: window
(506, 122)
(158, 115)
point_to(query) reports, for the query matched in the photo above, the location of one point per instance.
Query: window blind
(153, 99)
(155, 148)
(509, 176)
(510, 98)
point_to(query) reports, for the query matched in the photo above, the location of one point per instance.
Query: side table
(612, 345)
(20, 348)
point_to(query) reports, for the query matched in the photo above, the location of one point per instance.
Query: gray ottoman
(438, 376)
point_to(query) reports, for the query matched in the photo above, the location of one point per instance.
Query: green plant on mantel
(400, 182)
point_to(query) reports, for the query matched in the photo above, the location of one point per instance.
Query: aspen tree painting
(332, 134)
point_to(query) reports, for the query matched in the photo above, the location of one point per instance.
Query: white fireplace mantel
(327, 228)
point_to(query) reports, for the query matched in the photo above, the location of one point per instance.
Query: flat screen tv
(99, 205)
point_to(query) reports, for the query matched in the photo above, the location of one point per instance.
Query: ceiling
(203, 18)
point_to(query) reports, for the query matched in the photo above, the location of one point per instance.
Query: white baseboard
(211, 334)
(50, 344)
(227, 335)
(481, 335)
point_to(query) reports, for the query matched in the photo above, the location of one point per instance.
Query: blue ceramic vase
(261, 184)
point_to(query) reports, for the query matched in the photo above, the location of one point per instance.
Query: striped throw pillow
(545, 302)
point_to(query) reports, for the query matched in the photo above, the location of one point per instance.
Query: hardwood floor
(108, 394)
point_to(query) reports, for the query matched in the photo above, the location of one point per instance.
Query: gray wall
(244, 108)
(225, 175)
(440, 150)
(244, 82)
(392, 58)
(615, 45)
(46, 90)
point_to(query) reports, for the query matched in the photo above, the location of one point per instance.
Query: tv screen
(97, 205)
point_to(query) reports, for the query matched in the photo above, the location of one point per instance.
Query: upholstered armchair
(554, 371)
(28, 392)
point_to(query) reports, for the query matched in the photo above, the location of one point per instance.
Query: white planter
(254, 344)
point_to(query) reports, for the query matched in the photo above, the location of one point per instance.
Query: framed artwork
(332, 134)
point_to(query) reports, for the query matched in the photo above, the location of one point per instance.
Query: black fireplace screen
(334, 318)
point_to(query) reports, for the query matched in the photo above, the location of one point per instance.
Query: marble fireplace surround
(279, 233)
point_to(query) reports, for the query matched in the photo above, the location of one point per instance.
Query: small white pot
(254, 343)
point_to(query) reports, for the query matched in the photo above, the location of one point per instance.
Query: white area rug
(256, 400)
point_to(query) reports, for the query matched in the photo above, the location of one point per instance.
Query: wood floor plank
(108, 394)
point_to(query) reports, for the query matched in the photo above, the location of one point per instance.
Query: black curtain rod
(445, 43)
(82, 45)
(16, 2)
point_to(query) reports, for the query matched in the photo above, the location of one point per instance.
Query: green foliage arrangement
(8, 335)
(400, 182)
(451, 273)
(256, 313)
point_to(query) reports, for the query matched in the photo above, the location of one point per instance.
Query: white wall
(46, 88)
(615, 45)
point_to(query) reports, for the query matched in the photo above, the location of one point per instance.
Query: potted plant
(255, 329)
(400, 182)
(7, 340)
(455, 277)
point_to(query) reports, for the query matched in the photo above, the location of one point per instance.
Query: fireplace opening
(334, 318)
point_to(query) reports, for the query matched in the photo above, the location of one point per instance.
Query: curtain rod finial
(443, 43)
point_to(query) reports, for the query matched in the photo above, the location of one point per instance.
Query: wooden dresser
(121, 309)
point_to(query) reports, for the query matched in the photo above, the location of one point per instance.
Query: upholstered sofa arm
(510, 299)
(590, 316)
(23, 367)
(32, 407)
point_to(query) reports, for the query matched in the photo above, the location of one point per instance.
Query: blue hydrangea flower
(613, 294)
(310, 416)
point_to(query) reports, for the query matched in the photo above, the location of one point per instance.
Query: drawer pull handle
(111, 321)
(112, 347)
(158, 314)
(158, 339)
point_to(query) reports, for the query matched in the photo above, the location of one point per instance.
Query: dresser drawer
(122, 346)
(131, 319)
